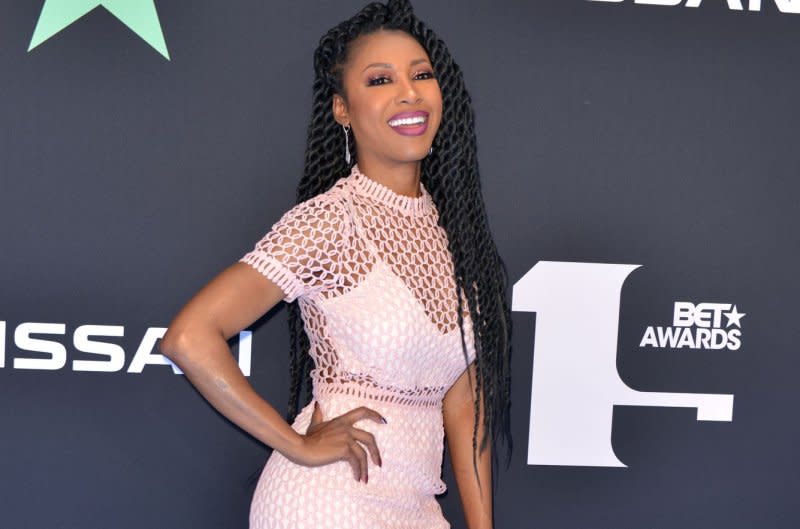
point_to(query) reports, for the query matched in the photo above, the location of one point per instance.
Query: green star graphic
(139, 15)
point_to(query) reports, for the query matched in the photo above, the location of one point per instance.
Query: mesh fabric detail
(374, 279)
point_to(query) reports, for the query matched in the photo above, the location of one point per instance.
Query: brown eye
(424, 75)
(378, 80)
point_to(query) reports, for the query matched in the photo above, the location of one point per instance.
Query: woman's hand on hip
(338, 440)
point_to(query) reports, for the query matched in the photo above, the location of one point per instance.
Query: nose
(406, 92)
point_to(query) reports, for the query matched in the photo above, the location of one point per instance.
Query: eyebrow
(387, 65)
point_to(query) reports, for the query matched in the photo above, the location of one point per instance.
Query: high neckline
(368, 187)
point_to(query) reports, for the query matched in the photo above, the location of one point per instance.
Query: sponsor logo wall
(639, 172)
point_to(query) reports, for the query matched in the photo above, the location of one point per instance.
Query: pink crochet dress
(374, 280)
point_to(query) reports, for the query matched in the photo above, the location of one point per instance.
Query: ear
(339, 107)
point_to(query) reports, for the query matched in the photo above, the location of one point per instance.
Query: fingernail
(383, 419)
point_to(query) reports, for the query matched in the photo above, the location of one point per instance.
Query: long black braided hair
(451, 176)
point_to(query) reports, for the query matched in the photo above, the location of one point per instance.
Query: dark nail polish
(383, 420)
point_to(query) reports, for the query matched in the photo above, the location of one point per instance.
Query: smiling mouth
(406, 122)
(410, 123)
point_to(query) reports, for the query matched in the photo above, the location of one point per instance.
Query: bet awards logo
(784, 6)
(575, 380)
(698, 327)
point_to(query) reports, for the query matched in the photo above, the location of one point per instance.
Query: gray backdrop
(608, 133)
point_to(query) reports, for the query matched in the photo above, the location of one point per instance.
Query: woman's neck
(401, 177)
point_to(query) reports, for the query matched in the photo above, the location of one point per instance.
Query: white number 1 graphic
(575, 379)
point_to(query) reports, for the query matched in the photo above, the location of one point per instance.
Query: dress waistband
(418, 399)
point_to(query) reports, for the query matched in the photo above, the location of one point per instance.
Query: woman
(374, 253)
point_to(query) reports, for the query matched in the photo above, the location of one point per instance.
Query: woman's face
(392, 99)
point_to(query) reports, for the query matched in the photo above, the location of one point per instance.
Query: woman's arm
(459, 420)
(197, 342)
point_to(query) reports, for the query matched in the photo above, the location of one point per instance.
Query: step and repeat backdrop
(640, 168)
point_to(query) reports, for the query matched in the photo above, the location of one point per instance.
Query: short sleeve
(302, 251)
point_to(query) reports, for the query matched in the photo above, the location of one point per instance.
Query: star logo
(733, 317)
(139, 15)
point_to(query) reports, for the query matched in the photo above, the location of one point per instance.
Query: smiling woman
(400, 327)
(392, 100)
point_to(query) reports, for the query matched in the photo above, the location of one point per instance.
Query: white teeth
(408, 121)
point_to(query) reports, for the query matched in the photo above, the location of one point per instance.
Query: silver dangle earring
(430, 151)
(346, 129)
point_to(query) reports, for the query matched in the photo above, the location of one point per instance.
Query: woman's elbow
(174, 343)
(183, 341)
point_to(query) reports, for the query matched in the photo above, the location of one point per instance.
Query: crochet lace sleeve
(301, 252)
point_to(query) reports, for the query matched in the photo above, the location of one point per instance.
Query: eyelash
(379, 80)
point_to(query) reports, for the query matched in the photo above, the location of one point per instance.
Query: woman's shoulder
(333, 198)
(301, 251)
(325, 215)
